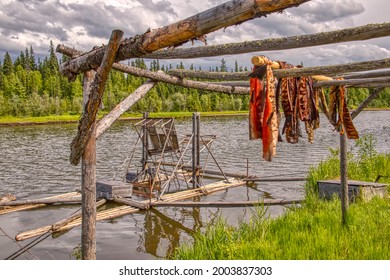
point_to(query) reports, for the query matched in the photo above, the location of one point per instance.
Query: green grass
(313, 231)
(67, 117)
(306, 233)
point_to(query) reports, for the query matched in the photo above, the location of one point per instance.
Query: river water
(34, 162)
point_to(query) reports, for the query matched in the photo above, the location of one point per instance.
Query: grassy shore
(13, 121)
(312, 231)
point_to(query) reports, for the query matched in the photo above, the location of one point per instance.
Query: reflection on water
(34, 162)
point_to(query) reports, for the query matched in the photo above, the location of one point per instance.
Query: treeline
(32, 87)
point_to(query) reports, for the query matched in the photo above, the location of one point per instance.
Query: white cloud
(86, 23)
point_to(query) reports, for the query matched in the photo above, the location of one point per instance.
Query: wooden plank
(364, 32)
(224, 15)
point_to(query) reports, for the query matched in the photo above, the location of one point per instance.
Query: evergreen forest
(32, 87)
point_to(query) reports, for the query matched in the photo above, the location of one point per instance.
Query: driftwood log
(224, 15)
(365, 32)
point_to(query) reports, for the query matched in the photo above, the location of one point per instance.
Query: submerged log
(224, 15)
(365, 32)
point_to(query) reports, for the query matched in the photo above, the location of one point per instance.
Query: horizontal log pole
(359, 33)
(352, 82)
(221, 204)
(162, 77)
(224, 15)
(294, 72)
(370, 74)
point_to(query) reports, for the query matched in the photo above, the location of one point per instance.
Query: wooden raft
(125, 210)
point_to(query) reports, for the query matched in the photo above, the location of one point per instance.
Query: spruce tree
(33, 65)
(8, 67)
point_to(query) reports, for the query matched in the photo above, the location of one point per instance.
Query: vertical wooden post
(197, 117)
(88, 184)
(344, 178)
(194, 150)
(145, 116)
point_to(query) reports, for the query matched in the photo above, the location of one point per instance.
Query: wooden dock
(125, 209)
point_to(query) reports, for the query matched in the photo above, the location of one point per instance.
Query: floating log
(102, 215)
(62, 200)
(125, 210)
(364, 32)
(55, 227)
(194, 27)
(221, 204)
(10, 209)
(7, 197)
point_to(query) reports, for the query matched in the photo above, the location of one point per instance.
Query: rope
(27, 247)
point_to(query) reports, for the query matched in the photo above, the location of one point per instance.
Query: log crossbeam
(224, 15)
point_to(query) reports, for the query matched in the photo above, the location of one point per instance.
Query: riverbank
(65, 119)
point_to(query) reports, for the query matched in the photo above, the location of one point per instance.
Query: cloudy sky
(83, 24)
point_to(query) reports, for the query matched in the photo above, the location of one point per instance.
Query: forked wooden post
(84, 145)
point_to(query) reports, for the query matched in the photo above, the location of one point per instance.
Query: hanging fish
(256, 104)
(339, 114)
(287, 90)
(270, 131)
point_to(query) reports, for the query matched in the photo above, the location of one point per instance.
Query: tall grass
(314, 230)
(306, 233)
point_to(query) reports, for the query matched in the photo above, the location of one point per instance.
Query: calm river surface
(34, 162)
